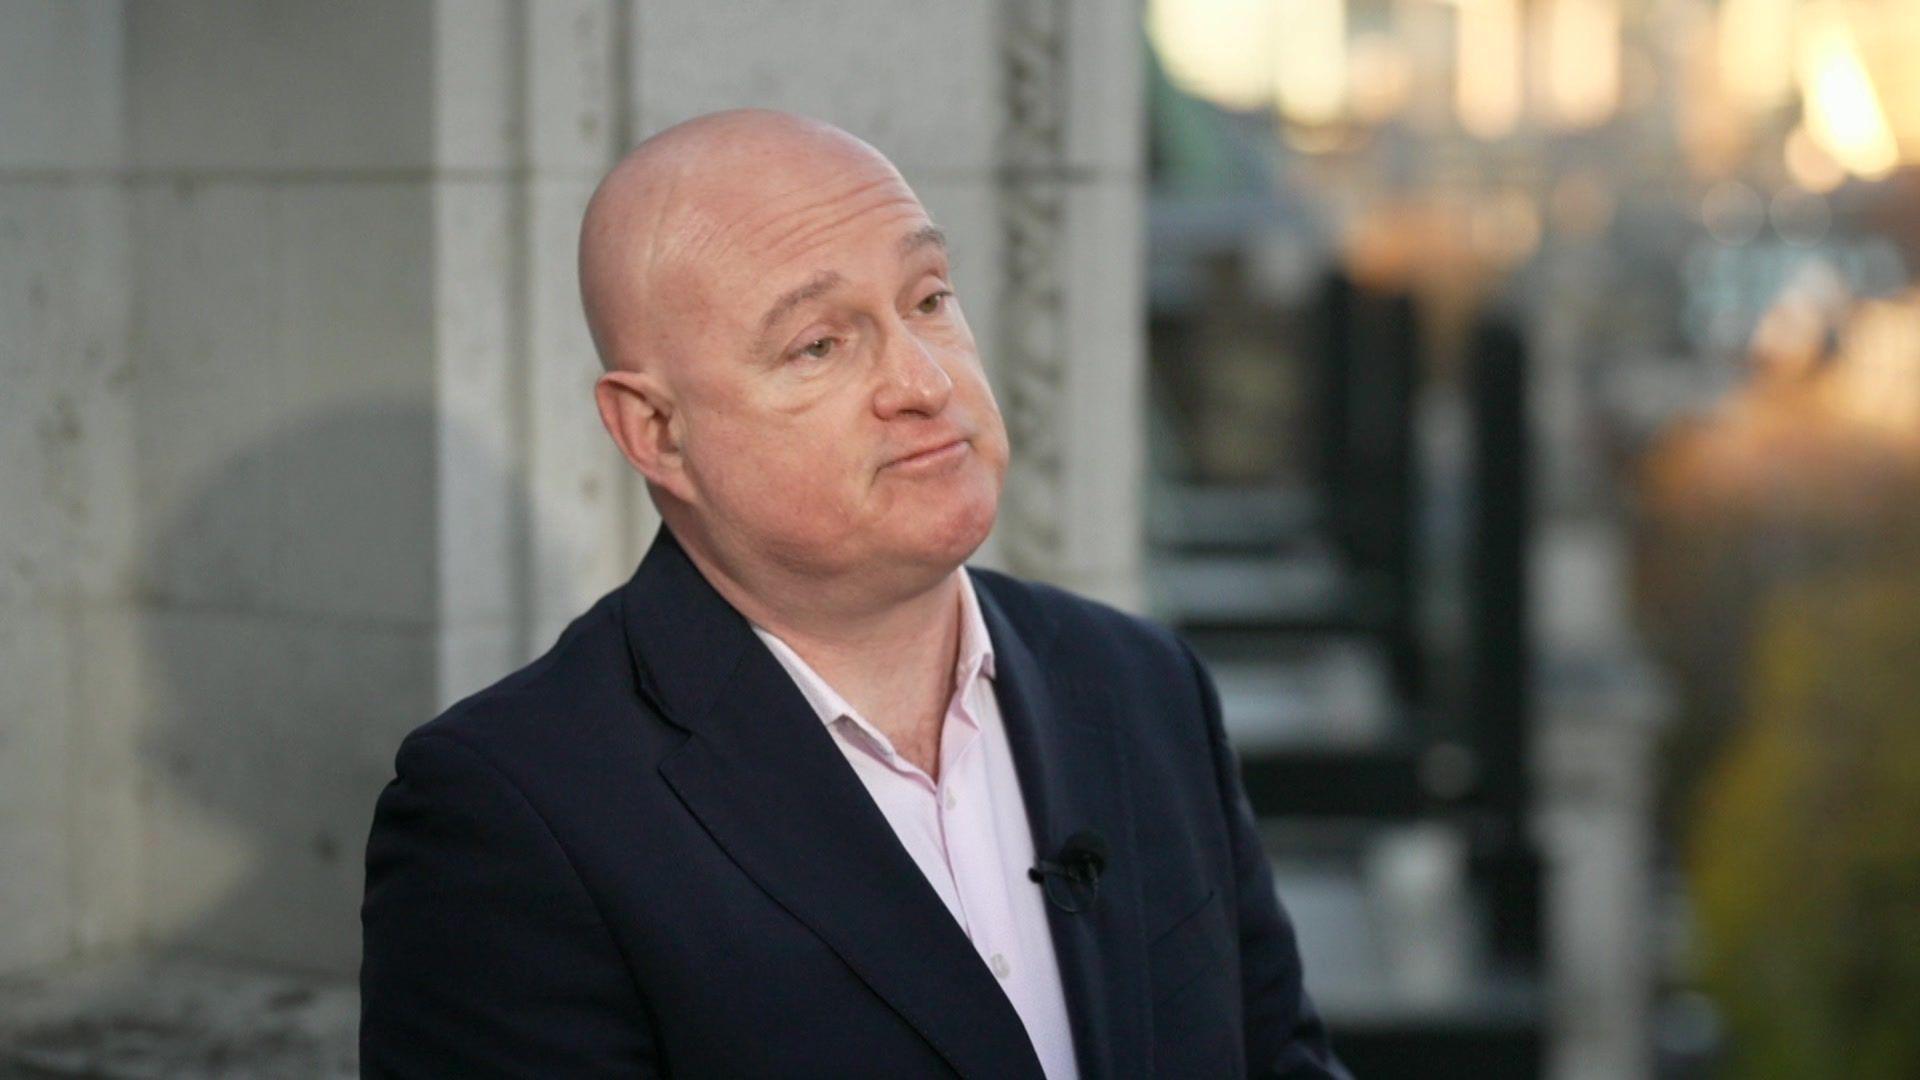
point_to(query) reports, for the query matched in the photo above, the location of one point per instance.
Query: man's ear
(638, 411)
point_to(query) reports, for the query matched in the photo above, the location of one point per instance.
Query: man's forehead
(926, 237)
(730, 206)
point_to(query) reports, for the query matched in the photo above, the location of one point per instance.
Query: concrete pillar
(539, 514)
(283, 285)
(1071, 320)
(583, 540)
(1600, 711)
(69, 668)
(478, 344)
(1601, 924)
(299, 395)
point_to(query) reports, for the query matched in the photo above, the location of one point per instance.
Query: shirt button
(951, 800)
(1001, 969)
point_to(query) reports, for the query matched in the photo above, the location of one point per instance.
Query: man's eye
(934, 302)
(818, 348)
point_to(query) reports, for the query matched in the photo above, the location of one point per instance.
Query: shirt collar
(975, 659)
(976, 647)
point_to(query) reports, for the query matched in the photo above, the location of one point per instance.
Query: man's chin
(955, 540)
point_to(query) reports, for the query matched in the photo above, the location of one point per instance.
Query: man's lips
(931, 454)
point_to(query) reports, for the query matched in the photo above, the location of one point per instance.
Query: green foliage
(1804, 844)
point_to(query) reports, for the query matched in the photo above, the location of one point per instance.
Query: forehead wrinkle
(682, 246)
(821, 284)
(801, 233)
(699, 237)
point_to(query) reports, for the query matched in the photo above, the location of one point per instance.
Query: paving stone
(143, 1016)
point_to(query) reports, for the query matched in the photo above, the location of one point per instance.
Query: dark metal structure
(1456, 749)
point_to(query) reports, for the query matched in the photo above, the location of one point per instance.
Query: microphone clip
(1071, 879)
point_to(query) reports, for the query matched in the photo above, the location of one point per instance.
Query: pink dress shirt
(968, 833)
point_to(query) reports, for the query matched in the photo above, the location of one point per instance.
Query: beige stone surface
(216, 86)
(298, 414)
(59, 65)
(920, 79)
(122, 1018)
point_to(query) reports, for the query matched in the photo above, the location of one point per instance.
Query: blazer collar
(765, 779)
(1073, 774)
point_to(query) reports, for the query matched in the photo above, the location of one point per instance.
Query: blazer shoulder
(582, 684)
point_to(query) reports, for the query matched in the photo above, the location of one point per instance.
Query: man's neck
(896, 670)
(893, 660)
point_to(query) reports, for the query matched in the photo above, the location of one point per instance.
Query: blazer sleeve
(1285, 1037)
(483, 955)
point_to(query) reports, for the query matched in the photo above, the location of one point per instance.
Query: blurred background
(1516, 401)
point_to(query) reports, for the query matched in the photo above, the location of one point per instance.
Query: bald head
(788, 366)
(681, 198)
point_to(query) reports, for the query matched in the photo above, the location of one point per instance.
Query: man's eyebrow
(821, 283)
(826, 280)
(928, 236)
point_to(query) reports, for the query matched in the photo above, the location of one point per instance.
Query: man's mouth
(931, 456)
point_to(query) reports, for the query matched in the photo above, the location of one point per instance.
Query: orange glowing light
(1382, 78)
(1220, 50)
(1811, 167)
(1310, 60)
(1843, 112)
(1578, 65)
(1877, 378)
(1487, 73)
(1756, 52)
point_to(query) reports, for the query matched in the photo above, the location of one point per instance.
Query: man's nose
(911, 378)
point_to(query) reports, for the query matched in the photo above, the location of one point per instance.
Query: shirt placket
(972, 853)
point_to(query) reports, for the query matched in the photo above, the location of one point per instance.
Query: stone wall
(279, 164)
(70, 662)
(297, 443)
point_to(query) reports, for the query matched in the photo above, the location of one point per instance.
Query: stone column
(1072, 317)
(582, 540)
(299, 406)
(539, 515)
(279, 162)
(69, 841)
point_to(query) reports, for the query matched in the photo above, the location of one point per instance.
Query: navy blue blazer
(643, 854)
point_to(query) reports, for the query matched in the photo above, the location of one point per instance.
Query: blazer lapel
(1073, 777)
(764, 778)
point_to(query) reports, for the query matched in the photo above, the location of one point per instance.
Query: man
(771, 808)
